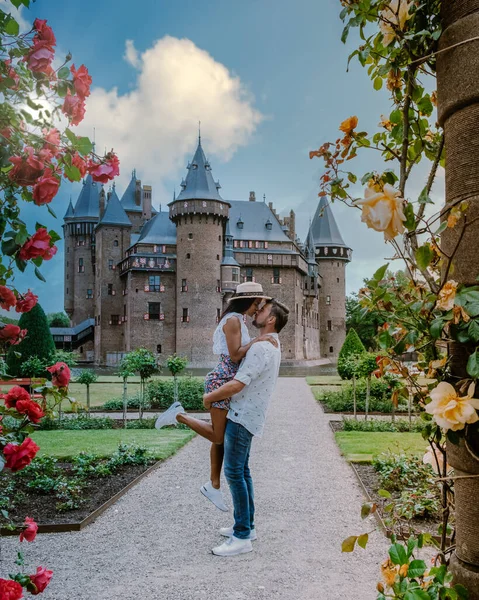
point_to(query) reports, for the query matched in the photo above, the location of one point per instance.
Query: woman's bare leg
(214, 432)
(216, 455)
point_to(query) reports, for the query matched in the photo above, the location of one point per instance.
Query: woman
(231, 341)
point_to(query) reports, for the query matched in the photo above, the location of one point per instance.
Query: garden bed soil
(99, 490)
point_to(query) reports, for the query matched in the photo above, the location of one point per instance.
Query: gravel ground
(155, 543)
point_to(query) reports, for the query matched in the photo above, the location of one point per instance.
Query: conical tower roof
(115, 213)
(88, 204)
(324, 230)
(228, 254)
(158, 230)
(199, 182)
(128, 198)
(70, 212)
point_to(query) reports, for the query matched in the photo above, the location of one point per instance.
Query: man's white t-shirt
(259, 372)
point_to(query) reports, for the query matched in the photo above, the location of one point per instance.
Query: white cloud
(153, 126)
(17, 14)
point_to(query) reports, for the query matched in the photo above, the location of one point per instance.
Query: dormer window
(269, 225)
(240, 223)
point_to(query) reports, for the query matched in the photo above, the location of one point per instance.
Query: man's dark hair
(280, 311)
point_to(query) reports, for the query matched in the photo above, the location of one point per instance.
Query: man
(250, 392)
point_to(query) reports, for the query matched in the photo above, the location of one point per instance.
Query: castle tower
(332, 256)
(78, 232)
(112, 235)
(200, 214)
(136, 201)
(230, 268)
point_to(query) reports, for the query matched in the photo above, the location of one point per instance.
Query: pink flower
(31, 409)
(40, 57)
(52, 140)
(104, 172)
(74, 108)
(46, 188)
(26, 302)
(18, 456)
(81, 80)
(40, 580)
(7, 298)
(6, 132)
(30, 531)
(80, 164)
(10, 590)
(12, 334)
(60, 374)
(44, 32)
(16, 394)
(39, 245)
(27, 169)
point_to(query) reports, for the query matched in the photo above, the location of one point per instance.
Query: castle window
(158, 348)
(67, 290)
(338, 264)
(328, 300)
(68, 249)
(276, 277)
(249, 274)
(188, 255)
(218, 315)
(235, 244)
(89, 294)
(219, 238)
(330, 326)
(337, 279)
(110, 289)
(114, 319)
(190, 236)
(312, 283)
(331, 349)
(218, 285)
(111, 266)
(154, 283)
(235, 275)
(297, 315)
(154, 311)
(115, 243)
(185, 317)
(217, 257)
(163, 249)
(81, 266)
(184, 285)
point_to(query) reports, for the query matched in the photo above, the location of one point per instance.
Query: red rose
(38, 245)
(26, 302)
(40, 57)
(74, 108)
(31, 409)
(30, 531)
(79, 163)
(44, 32)
(52, 140)
(18, 456)
(10, 590)
(60, 374)
(6, 133)
(40, 580)
(27, 169)
(103, 172)
(12, 334)
(46, 188)
(7, 298)
(81, 80)
(16, 394)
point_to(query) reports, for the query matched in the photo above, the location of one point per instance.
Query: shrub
(141, 423)
(381, 425)
(352, 346)
(380, 399)
(77, 423)
(398, 472)
(133, 402)
(160, 393)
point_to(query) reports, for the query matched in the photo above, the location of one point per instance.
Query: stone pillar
(458, 111)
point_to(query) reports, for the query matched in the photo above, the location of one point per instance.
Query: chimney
(292, 225)
(102, 202)
(252, 197)
(147, 202)
(138, 193)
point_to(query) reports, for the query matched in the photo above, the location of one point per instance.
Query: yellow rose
(389, 572)
(386, 123)
(383, 210)
(451, 411)
(348, 125)
(447, 295)
(394, 17)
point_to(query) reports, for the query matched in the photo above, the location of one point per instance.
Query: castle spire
(199, 183)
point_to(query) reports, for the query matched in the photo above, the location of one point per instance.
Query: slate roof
(88, 204)
(158, 230)
(199, 182)
(70, 213)
(73, 330)
(228, 257)
(128, 198)
(255, 215)
(115, 213)
(324, 229)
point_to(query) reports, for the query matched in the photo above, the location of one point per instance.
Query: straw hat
(249, 290)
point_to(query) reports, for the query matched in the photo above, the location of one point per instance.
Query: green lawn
(362, 446)
(104, 442)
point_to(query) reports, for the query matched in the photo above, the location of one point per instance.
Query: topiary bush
(160, 393)
(352, 346)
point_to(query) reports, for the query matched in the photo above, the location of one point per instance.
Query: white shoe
(228, 532)
(169, 416)
(216, 496)
(232, 547)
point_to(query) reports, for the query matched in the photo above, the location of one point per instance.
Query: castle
(138, 277)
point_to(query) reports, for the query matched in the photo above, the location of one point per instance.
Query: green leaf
(363, 540)
(436, 328)
(380, 272)
(398, 555)
(349, 543)
(461, 591)
(9, 247)
(39, 275)
(424, 197)
(384, 494)
(366, 510)
(84, 146)
(417, 594)
(453, 437)
(378, 83)
(424, 255)
(410, 222)
(416, 569)
(395, 117)
(64, 73)
(62, 88)
(473, 330)
(16, 3)
(72, 172)
(442, 227)
(473, 365)
(54, 235)
(51, 211)
(344, 35)
(11, 27)
(366, 177)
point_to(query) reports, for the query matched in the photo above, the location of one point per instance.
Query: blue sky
(267, 79)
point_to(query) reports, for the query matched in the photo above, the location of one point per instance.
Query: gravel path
(155, 542)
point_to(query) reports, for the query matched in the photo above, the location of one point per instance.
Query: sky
(267, 80)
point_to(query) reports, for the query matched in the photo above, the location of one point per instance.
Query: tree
(58, 319)
(143, 362)
(87, 377)
(175, 365)
(367, 365)
(37, 343)
(365, 322)
(351, 347)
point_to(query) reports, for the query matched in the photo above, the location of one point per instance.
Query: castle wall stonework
(332, 307)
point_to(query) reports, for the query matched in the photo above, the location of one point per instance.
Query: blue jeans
(237, 445)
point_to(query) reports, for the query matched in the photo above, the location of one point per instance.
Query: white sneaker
(216, 496)
(169, 416)
(228, 532)
(232, 547)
